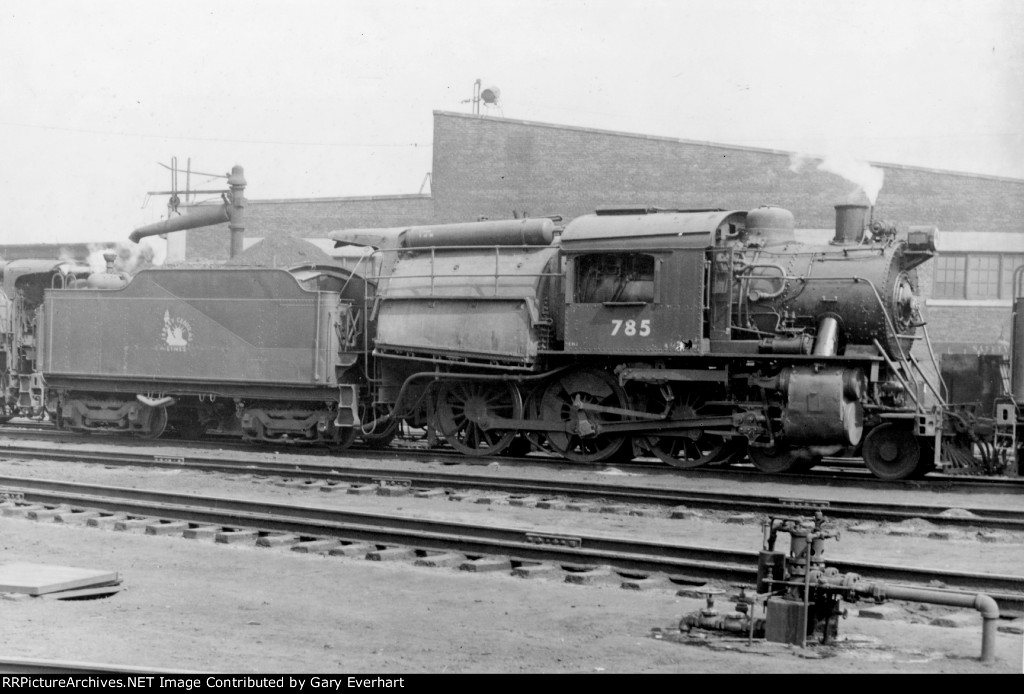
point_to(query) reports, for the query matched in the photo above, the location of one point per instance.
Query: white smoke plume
(868, 178)
(131, 257)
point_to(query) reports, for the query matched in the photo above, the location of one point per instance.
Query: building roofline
(718, 145)
(351, 198)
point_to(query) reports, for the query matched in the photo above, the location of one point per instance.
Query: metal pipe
(982, 603)
(200, 216)
(827, 341)
(236, 225)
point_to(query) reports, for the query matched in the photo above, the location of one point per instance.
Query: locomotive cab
(635, 280)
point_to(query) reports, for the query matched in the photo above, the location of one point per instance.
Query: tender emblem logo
(176, 333)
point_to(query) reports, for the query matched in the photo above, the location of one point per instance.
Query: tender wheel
(157, 424)
(891, 452)
(774, 459)
(380, 435)
(580, 443)
(464, 410)
(691, 449)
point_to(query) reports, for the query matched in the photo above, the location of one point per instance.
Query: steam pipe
(982, 603)
(828, 337)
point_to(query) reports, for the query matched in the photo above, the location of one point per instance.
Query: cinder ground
(191, 605)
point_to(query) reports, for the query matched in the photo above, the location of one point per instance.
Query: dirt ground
(196, 606)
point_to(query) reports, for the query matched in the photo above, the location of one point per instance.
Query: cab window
(614, 277)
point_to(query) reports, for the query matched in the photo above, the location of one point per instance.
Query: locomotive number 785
(629, 327)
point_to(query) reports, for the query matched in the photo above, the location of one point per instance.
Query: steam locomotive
(698, 337)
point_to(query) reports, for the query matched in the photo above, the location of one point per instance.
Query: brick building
(496, 167)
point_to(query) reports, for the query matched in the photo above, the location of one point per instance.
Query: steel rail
(620, 492)
(853, 473)
(525, 545)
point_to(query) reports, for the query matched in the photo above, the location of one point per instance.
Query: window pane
(1010, 263)
(948, 277)
(614, 277)
(983, 276)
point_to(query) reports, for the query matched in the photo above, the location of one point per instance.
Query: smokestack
(850, 224)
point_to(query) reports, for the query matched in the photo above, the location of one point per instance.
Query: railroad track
(838, 472)
(229, 520)
(314, 476)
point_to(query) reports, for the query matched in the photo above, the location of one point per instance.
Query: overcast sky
(319, 98)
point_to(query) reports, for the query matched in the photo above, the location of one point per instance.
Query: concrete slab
(202, 532)
(46, 513)
(358, 549)
(523, 501)
(76, 516)
(102, 521)
(133, 524)
(316, 546)
(232, 536)
(441, 560)
(595, 577)
(362, 489)
(538, 571)
(39, 579)
(277, 540)
(580, 507)
(429, 493)
(392, 554)
(393, 490)
(20, 510)
(167, 528)
(333, 487)
(613, 508)
(659, 582)
(83, 593)
(485, 564)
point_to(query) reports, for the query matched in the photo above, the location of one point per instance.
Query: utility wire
(219, 139)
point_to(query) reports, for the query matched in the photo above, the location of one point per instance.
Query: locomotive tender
(696, 336)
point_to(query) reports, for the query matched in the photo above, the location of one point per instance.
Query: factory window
(614, 277)
(978, 276)
(949, 277)
(1010, 265)
(983, 276)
